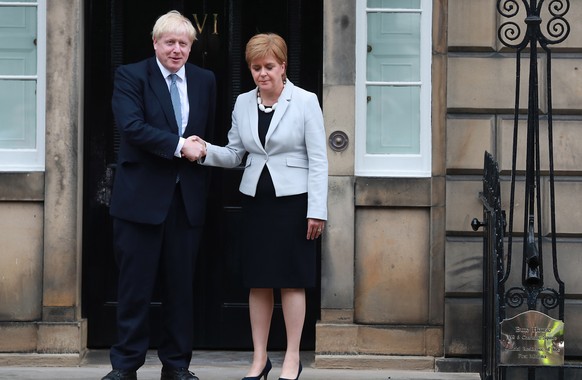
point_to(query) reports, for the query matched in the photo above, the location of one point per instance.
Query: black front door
(119, 32)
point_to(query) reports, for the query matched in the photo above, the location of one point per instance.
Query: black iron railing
(493, 267)
(534, 41)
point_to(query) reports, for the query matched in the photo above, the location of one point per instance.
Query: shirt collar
(165, 72)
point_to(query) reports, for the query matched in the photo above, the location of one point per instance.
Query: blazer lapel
(282, 105)
(160, 88)
(253, 115)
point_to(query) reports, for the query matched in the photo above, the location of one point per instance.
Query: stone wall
(401, 267)
(480, 101)
(383, 250)
(40, 228)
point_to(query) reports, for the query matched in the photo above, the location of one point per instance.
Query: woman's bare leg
(293, 301)
(261, 311)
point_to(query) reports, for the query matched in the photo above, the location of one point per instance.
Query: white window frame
(29, 160)
(393, 165)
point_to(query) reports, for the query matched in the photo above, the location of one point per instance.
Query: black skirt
(276, 252)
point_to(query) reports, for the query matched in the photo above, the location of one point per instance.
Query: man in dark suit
(159, 196)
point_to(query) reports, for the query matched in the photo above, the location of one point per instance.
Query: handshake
(194, 148)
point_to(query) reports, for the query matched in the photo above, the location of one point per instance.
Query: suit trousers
(145, 254)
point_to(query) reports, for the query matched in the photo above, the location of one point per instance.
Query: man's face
(172, 50)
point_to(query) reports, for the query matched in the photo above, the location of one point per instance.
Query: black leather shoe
(118, 374)
(178, 374)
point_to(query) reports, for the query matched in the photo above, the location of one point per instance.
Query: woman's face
(268, 74)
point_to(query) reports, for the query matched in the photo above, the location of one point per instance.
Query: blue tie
(176, 102)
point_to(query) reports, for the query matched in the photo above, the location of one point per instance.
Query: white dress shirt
(184, 104)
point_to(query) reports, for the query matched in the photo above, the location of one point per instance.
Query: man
(159, 196)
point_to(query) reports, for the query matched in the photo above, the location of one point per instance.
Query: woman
(284, 187)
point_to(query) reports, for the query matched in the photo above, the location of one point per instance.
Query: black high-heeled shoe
(264, 373)
(298, 373)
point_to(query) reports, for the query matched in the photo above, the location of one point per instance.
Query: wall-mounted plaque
(532, 338)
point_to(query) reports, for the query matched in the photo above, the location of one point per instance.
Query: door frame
(109, 40)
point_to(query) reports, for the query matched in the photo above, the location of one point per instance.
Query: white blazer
(295, 147)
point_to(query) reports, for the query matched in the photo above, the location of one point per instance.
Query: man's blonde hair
(173, 22)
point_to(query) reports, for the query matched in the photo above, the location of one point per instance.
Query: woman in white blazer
(284, 187)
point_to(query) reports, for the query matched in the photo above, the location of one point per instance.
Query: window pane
(393, 120)
(404, 4)
(18, 110)
(393, 47)
(18, 40)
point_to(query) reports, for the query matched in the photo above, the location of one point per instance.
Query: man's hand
(193, 149)
(197, 139)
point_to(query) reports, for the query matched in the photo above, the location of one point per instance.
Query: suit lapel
(253, 115)
(193, 100)
(282, 105)
(160, 88)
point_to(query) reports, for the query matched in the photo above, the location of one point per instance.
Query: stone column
(337, 283)
(62, 329)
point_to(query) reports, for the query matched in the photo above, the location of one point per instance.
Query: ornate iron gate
(532, 294)
(493, 311)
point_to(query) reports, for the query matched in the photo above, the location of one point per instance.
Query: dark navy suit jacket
(146, 172)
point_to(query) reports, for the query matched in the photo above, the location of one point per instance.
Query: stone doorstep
(41, 360)
(408, 363)
(458, 365)
(405, 363)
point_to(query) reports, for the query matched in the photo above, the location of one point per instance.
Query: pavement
(217, 365)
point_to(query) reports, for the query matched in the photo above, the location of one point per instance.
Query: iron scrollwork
(548, 297)
(557, 27)
(512, 35)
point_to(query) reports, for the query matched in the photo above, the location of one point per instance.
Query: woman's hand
(314, 228)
